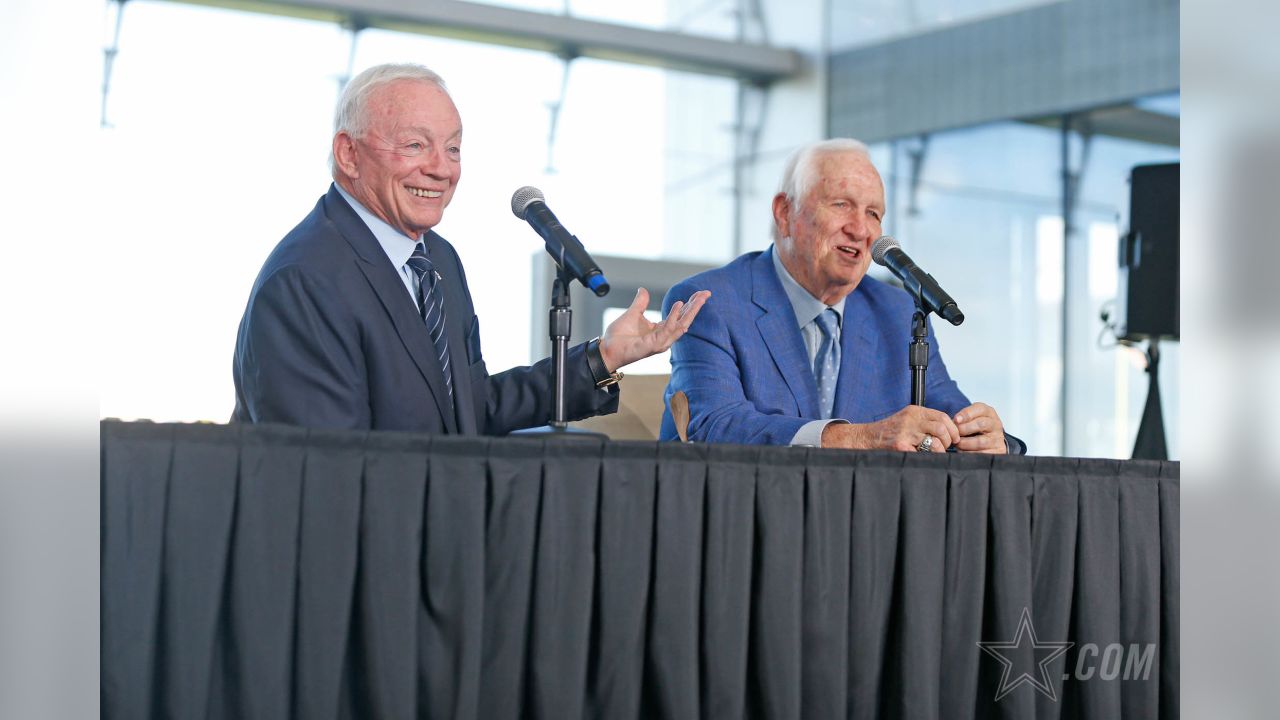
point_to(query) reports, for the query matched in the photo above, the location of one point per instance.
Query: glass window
(984, 217)
(216, 149)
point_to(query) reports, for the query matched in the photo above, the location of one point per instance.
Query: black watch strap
(599, 370)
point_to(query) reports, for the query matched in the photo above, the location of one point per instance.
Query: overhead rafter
(558, 34)
(1127, 122)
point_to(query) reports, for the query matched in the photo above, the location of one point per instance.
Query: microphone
(919, 283)
(529, 205)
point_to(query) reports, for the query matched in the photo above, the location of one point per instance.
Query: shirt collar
(395, 244)
(806, 306)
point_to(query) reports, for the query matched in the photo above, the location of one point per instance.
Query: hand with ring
(911, 429)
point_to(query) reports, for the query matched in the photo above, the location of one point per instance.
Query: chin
(424, 225)
(852, 281)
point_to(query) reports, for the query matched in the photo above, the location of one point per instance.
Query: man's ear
(782, 214)
(344, 154)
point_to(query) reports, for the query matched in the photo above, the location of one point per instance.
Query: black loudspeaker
(1147, 306)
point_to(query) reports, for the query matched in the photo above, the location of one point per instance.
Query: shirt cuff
(810, 434)
(1014, 446)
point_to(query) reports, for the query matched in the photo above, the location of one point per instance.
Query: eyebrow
(425, 133)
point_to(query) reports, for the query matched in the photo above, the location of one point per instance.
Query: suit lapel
(400, 308)
(781, 335)
(859, 346)
(457, 321)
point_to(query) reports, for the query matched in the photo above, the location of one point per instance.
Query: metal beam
(1126, 122)
(559, 34)
(1044, 61)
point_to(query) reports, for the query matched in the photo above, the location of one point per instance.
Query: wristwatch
(599, 370)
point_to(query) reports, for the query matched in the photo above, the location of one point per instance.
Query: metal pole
(1067, 230)
(561, 323)
(918, 354)
(739, 167)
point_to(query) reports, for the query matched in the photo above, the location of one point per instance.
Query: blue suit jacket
(331, 339)
(745, 370)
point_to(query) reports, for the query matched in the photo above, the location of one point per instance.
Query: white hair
(352, 116)
(801, 171)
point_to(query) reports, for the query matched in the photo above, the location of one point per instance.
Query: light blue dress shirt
(807, 308)
(395, 244)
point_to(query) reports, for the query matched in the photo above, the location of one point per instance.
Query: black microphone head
(952, 314)
(882, 246)
(523, 198)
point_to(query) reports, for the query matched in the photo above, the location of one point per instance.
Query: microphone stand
(560, 321)
(918, 353)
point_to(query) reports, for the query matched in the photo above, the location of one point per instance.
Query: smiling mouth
(849, 250)
(424, 193)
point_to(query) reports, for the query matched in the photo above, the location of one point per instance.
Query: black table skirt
(274, 572)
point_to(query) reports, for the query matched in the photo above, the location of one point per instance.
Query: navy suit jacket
(744, 367)
(331, 339)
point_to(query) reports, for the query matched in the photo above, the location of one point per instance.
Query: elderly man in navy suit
(361, 317)
(800, 347)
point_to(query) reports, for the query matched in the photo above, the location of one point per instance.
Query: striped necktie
(826, 363)
(431, 305)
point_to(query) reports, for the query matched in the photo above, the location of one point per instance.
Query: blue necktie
(431, 305)
(826, 363)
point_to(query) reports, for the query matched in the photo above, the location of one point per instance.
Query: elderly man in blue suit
(361, 318)
(800, 347)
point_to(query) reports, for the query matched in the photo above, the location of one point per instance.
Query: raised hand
(633, 337)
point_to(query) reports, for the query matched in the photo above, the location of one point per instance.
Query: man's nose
(433, 162)
(858, 227)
